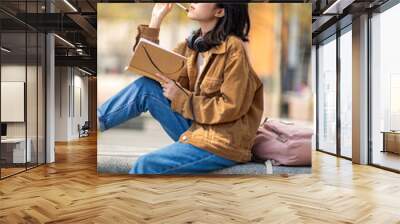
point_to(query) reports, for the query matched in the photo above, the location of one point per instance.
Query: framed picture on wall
(12, 101)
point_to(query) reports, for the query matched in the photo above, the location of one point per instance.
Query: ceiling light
(84, 71)
(5, 50)
(70, 5)
(337, 7)
(64, 40)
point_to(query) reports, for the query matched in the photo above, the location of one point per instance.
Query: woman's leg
(179, 158)
(142, 95)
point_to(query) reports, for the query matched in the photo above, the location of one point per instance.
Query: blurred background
(279, 48)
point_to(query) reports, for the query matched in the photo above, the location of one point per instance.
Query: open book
(149, 58)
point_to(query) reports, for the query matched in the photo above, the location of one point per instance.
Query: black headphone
(197, 43)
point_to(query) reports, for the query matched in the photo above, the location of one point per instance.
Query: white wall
(17, 73)
(79, 117)
(62, 81)
(14, 73)
(70, 84)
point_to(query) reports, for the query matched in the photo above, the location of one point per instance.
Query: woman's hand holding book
(170, 87)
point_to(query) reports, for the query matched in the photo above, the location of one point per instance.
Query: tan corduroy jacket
(227, 101)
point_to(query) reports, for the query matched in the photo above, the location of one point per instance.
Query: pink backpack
(283, 143)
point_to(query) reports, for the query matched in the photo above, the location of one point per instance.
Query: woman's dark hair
(236, 21)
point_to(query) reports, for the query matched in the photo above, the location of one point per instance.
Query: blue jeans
(143, 95)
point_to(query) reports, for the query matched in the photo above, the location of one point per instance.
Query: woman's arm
(144, 31)
(151, 31)
(237, 92)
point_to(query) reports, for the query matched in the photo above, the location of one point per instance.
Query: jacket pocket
(211, 86)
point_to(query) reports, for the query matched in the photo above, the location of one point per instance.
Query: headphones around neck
(197, 43)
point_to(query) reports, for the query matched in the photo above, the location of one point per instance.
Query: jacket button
(184, 138)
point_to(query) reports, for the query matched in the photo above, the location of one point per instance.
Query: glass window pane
(23, 87)
(346, 94)
(13, 85)
(41, 98)
(31, 97)
(32, 88)
(327, 96)
(385, 86)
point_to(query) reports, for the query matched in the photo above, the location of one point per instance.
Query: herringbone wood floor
(70, 191)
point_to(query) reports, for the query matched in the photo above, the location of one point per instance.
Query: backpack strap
(268, 167)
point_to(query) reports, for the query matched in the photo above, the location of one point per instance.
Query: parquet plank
(71, 191)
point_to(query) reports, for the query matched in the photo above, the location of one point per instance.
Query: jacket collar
(191, 62)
